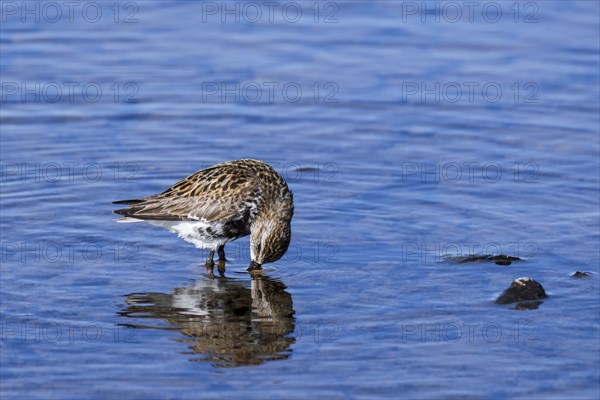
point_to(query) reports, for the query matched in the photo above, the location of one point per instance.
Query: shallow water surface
(409, 142)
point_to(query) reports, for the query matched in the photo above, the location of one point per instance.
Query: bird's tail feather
(132, 201)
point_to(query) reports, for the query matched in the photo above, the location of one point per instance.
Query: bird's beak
(254, 266)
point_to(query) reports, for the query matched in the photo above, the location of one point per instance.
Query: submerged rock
(528, 305)
(523, 290)
(499, 259)
(580, 274)
(504, 259)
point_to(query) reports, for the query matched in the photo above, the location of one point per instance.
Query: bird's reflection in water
(228, 322)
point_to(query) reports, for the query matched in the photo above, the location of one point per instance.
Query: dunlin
(223, 203)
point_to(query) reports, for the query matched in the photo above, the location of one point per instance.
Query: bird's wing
(213, 194)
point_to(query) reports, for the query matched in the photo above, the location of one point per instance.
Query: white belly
(195, 232)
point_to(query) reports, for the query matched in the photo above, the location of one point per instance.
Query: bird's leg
(209, 261)
(221, 267)
(221, 252)
(211, 273)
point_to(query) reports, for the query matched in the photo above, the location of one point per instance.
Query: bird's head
(269, 240)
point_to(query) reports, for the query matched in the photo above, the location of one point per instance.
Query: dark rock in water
(523, 289)
(500, 259)
(306, 169)
(503, 259)
(580, 274)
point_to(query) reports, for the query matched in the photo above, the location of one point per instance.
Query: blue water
(406, 134)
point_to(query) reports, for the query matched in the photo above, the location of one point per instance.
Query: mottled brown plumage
(223, 203)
